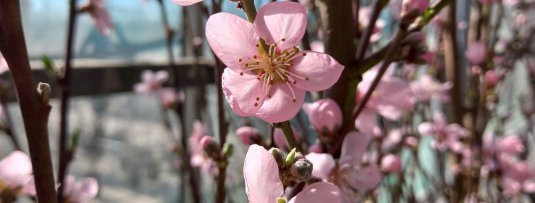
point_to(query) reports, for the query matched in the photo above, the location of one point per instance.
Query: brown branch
(34, 106)
(66, 154)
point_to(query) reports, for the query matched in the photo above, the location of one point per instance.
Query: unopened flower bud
(277, 154)
(391, 163)
(210, 146)
(290, 159)
(227, 151)
(301, 169)
(44, 91)
(324, 114)
(491, 78)
(249, 135)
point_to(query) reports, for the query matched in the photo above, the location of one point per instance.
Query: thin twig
(34, 106)
(66, 154)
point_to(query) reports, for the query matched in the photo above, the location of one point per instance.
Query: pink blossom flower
(151, 82)
(517, 177)
(324, 115)
(169, 96)
(263, 183)
(249, 135)
(476, 53)
(16, 173)
(426, 87)
(268, 84)
(315, 148)
(80, 191)
(280, 140)
(186, 2)
(390, 99)
(414, 5)
(98, 12)
(391, 163)
(196, 150)
(446, 136)
(498, 151)
(491, 78)
(350, 174)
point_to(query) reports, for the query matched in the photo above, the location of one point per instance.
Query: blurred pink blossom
(516, 178)
(80, 191)
(16, 173)
(390, 99)
(351, 174)
(324, 115)
(315, 148)
(280, 140)
(476, 53)
(169, 96)
(249, 135)
(414, 5)
(263, 184)
(196, 150)
(98, 12)
(364, 19)
(272, 87)
(151, 82)
(391, 163)
(3, 65)
(426, 87)
(492, 78)
(446, 136)
(186, 2)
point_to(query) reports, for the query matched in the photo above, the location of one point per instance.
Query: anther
(294, 100)
(254, 56)
(255, 104)
(306, 78)
(304, 54)
(240, 60)
(241, 73)
(257, 98)
(283, 39)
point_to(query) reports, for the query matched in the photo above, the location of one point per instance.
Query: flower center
(275, 67)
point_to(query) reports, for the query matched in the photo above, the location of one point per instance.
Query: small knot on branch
(44, 91)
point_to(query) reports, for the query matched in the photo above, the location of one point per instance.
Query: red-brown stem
(364, 42)
(35, 111)
(66, 154)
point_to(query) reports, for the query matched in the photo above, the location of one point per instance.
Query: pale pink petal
(241, 92)
(186, 2)
(391, 163)
(231, 38)
(426, 128)
(320, 192)
(280, 139)
(161, 76)
(281, 20)
(84, 190)
(281, 106)
(248, 135)
(69, 185)
(3, 65)
(324, 114)
(321, 70)
(322, 164)
(529, 186)
(366, 122)
(353, 147)
(366, 178)
(16, 169)
(261, 173)
(29, 188)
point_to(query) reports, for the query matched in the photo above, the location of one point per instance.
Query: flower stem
(289, 135)
(249, 8)
(34, 106)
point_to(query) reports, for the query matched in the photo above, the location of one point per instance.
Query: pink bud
(491, 78)
(411, 142)
(475, 53)
(210, 146)
(324, 114)
(249, 135)
(412, 5)
(315, 148)
(391, 163)
(280, 140)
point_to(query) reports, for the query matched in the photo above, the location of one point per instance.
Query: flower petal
(241, 92)
(322, 164)
(281, 107)
(281, 20)
(186, 2)
(321, 70)
(353, 148)
(85, 190)
(261, 173)
(320, 192)
(16, 169)
(231, 38)
(366, 178)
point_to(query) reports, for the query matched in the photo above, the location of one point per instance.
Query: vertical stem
(452, 66)
(222, 126)
(35, 111)
(249, 8)
(65, 154)
(289, 135)
(190, 173)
